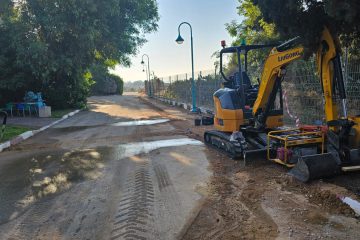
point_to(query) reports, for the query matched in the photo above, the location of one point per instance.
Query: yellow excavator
(249, 117)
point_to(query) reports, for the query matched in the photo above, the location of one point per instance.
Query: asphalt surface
(104, 174)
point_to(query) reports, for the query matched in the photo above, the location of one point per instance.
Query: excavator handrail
(238, 50)
(247, 48)
(289, 44)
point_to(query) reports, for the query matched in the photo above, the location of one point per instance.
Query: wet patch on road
(27, 179)
(133, 149)
(71, 129)
(140, 123)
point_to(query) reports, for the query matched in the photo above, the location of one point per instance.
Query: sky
(208, 19)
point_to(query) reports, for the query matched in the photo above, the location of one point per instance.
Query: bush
(104, 82)
(119, 83)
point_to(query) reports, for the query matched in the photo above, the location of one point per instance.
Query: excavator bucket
(316, 167)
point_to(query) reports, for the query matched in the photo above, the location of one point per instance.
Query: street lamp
(148, 72)
(180, 40)
(147, 78)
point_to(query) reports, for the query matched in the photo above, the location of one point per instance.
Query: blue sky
(208, 19)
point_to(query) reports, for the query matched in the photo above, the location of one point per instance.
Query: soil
(55, 185)
(88, 178)
(260, 201)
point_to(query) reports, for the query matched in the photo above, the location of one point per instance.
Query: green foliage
(13, 131)
(104, 82)
(119, 84)
(307, 18)
(255, 30)
(61, 113)
(50, 46)
(253, 27)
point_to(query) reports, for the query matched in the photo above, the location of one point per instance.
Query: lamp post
(148, 72)
(147, 79)
(180, 40)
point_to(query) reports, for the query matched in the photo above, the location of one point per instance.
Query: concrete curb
(184, 105)
(29, 134)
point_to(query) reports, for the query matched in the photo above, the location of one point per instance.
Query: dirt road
(116, 172)
(104, 174)
(260, 201)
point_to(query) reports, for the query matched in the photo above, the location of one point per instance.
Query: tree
(105, 83)
(254, 30)
(307, 18)
(53, 44)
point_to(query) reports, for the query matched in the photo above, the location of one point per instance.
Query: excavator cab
(246, 112)
(234, 107)
(234, 102)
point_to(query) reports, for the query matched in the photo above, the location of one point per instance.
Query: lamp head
(142, 62)
(179, 39)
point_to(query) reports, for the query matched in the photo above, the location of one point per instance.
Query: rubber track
(226, 141)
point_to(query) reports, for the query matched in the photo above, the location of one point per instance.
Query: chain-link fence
(305, 96)
(302, 88)
(178, 87)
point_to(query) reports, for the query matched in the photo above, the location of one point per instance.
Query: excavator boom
(271, 78)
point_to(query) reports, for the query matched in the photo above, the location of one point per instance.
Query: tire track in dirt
(162, 176)
(134, 217)
(36, 216)
(168, 205)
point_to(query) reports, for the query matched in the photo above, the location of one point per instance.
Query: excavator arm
(328, 67)
(332, 82)
(344, 130)
(271, 78)
(343, 136)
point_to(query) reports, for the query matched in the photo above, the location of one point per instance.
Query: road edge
(26, 135)
(183, 105)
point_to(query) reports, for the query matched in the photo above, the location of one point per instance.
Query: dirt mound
(326, 199)
(330, 202)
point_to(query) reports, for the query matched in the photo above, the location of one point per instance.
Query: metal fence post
(346, 66)
(171, 90)
(199, 88)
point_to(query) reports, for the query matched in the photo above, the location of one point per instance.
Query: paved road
(103, 174)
